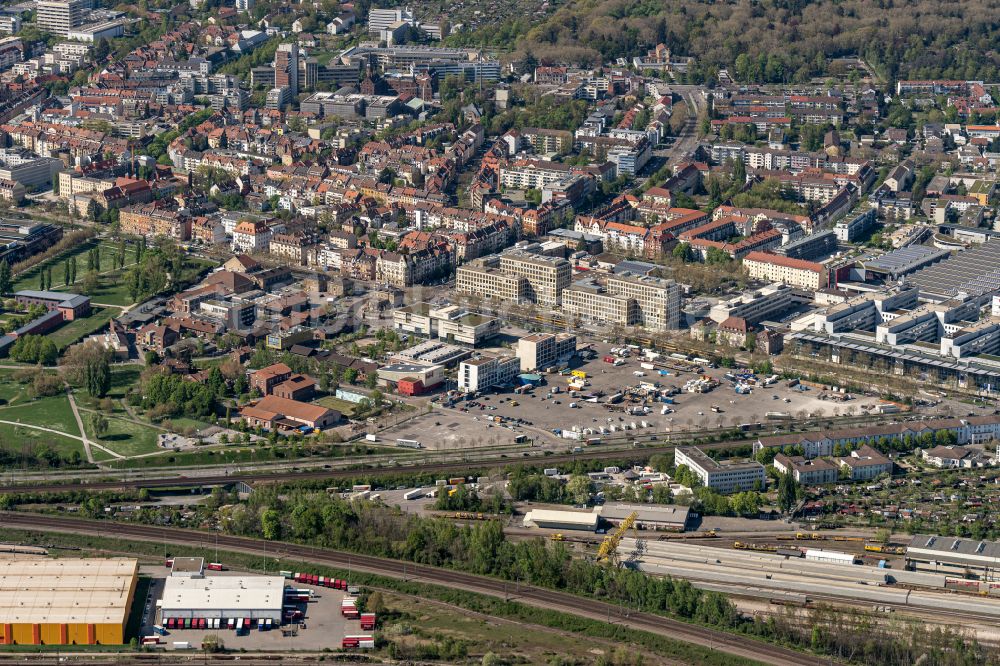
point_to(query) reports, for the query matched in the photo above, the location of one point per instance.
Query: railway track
(612, 448)
(526, 594)
(275, 477)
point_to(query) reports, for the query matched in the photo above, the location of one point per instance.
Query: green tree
(787, 492)
(578, 487)
(97, 375)
(270, 524)
(5, 277)
(99, 424)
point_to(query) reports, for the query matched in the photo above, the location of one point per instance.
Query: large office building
(726, 476)
(25, 167)
(544, 350)
(449, 322)
(66, 601)
(61, 16)
(546, 276)
(516, 275)
(627, 300)
(481, 279)
(224, 597)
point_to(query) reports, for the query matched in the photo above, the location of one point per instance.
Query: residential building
(807, 471)
(795, 272)
(487, 372)
(250, 236)
(725, 476)
(866, 463)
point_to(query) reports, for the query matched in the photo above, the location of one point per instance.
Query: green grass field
(74, 331)
(30, 279)
(331, 402)
(53, 412)
(123, 437)
(13, 438)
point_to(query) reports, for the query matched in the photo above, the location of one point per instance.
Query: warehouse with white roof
(253, 597)
(561, 520)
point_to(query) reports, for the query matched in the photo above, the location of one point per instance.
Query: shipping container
(413, 494)
(368, 621)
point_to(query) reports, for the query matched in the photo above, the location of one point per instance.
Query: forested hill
(780, 40)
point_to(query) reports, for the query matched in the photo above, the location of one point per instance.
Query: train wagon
(364, 642)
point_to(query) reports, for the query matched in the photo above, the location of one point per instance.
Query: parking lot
(323, 626)
(469, 425)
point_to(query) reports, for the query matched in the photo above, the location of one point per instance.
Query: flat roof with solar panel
(975, 271)
(905, 260)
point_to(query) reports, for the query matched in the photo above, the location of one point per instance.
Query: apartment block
(796, 272)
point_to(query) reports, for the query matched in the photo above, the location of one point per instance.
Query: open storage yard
(543, 412)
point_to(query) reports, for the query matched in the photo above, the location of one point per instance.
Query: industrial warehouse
(66, 601)
(224, 597)
(968, 558)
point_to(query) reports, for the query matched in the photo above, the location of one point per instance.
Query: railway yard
(525, 594)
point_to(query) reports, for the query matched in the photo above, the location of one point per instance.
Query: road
(737, 645)
(687, 139)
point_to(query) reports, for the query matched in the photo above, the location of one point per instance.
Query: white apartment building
(725, 477)
(484, 373)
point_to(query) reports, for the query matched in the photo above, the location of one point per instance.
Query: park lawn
(123, 377)
(76, 330)
(53, 412)
(15, 438)
(181, 423)
(30, 279)
(112, 290)
(345, 407)
(100, 456)
(123, 437)
(12, 392)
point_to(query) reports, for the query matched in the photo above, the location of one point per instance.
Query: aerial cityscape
(607, 333)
